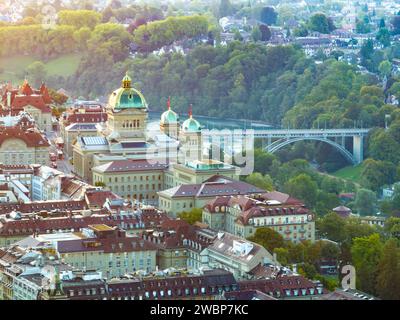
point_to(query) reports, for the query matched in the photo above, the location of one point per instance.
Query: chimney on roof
(9, 99)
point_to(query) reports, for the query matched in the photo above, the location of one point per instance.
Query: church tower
(127, 112)
(191, 139)
(170, 122)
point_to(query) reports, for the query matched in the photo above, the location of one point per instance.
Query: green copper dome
(169, 117)
(191, 125)
(127, 97)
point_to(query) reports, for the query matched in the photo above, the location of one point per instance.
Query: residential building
(99, 248)
(242, 215)
(209, 285)
(293, 287)
(185, 197)
(233, 253)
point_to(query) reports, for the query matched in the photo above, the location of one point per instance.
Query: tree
(388, 280)
(191, 217)
(237, 36)
(268, 15)
(377, 173)
(282, 255)
(156, 34)
(301, 31)
(256, 34)
(383, 146)
(303, 188)
(58, 98)
(331, 185)
(225, 8)
(385, 68)
(365, 202)
(367, 49)
(321, 23)
(79, 18)
(362, 27)
(383, 36)
(366, 253)
(37, 72)
(263, 161)
(260, 181)
(332, 227)
(268, 238)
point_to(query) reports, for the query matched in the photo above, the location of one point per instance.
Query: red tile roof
(62, 206)
(281, 284)
(86, 118)
(130, 165)
(41, 225)
(32, 137)
(19, 102)
(97, 198)
(106, 245)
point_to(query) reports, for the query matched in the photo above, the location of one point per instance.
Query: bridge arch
(279, 144)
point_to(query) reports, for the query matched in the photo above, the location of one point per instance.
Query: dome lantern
(127, 82)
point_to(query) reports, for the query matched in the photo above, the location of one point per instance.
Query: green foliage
(303, 188)
(332, 227)
(36, 72)
(383, 146)
(263, 161)
(366, 253)
(376, 173)
(388, 280)
(268, 238)
(321, 23)
(365, 202)
(154, 35)
(256, 34)
(268, 15)
(362, 27)
(225, 8)
(79, 18)
(263, 182)
(383, 36)
(385, 68)
(392, 207)
(192, 216)
(329, 283)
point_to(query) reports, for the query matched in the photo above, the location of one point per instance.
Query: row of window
(135, 178)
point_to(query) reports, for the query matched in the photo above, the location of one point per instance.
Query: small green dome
(169, 117)
(191, 125)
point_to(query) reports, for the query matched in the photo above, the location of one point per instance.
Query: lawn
(13, 68)
(349, 173)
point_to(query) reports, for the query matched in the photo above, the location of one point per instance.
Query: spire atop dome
(169, 103)
(191, 112)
